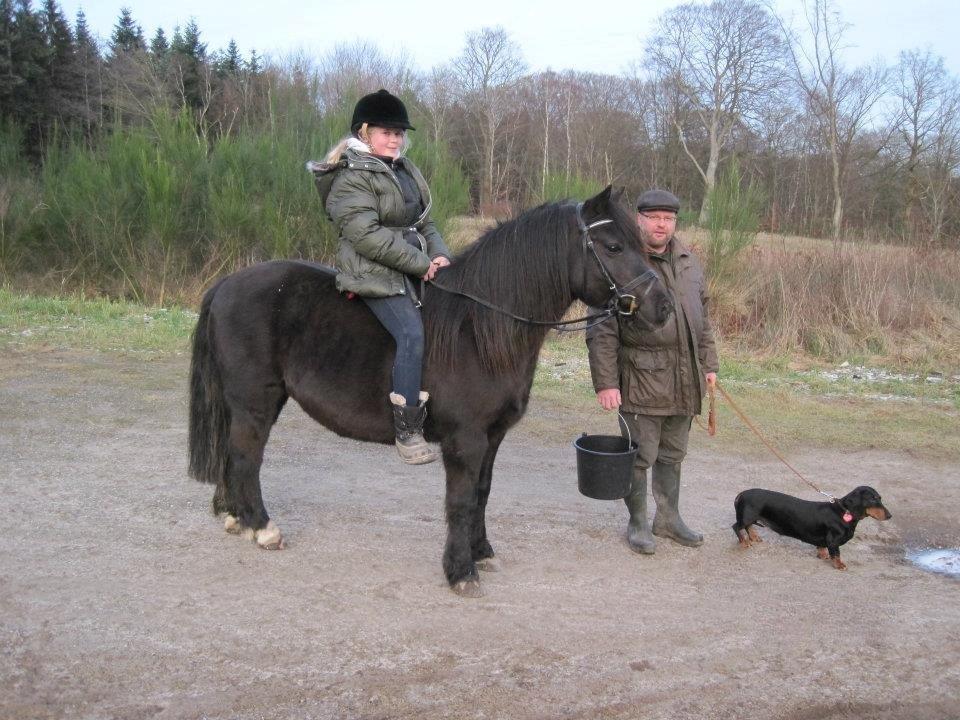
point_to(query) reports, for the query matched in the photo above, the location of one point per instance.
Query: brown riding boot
(408, 426)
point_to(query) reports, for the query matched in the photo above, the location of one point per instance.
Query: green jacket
(660, 372)
(363, 198)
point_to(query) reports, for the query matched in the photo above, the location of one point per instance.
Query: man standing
(658, 377)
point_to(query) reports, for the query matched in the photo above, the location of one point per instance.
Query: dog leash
(712, 429)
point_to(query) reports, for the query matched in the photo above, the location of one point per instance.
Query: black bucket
(605, 465)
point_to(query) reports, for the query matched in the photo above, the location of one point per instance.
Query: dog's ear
(857, 500)
(869, 496)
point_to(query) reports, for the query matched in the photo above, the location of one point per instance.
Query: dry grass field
(815, 299)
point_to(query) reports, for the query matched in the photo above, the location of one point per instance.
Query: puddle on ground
(945, 561)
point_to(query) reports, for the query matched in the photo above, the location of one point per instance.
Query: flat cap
(658, 200)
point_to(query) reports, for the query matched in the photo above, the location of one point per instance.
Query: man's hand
(609, 398)
(711, 379)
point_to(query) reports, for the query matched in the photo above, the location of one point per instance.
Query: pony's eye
(613, 247)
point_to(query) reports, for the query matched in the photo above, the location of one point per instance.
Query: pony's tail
(209, 414)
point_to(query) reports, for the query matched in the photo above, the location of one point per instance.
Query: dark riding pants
(402, 320)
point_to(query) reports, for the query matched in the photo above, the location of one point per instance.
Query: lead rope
(712, 429)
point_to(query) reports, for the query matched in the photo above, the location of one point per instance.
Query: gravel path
(122, 597)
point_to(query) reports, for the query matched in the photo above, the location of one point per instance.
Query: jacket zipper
(427, 205)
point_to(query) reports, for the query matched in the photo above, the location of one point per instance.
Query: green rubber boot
(638, 529)
(666, 492)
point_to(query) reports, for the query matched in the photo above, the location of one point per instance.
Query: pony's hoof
(232, 525)
(468, 588)
(490, 564)
(269, 537)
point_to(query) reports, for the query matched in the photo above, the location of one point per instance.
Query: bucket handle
(623, 421)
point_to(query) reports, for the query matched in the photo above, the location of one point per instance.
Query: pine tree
(82, 36)
(159, 47)
(191, 39)
(188, 60)
(9, 80)
(230, 63)
(29, 58)
(253, 64)
(55, 28)
(63, 95)
(127, 35)
(89, 64)
(160, 52)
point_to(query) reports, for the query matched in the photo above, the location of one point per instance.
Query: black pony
(280, 329)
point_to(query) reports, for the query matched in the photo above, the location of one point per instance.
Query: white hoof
(269, 538)
(491, 564)
(232, 525)
(468, 588)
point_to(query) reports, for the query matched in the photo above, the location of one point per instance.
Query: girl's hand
(438, 262)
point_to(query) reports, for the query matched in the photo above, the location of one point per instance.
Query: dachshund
(827, 525)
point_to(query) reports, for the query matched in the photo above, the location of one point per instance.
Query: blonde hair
(363, 134)
(336, 152)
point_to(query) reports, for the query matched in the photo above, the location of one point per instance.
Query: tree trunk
(837, 194)
(546, 150)
(710, 177)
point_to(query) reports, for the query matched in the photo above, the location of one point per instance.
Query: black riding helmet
(382, 110)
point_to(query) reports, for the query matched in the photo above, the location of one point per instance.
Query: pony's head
(611, 265)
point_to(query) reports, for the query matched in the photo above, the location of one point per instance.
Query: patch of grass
(791, 420)
(795, 404)
(463, 230)
(32, 323)
(848, 380)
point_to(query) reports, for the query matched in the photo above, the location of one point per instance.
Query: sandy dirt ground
(122, 597)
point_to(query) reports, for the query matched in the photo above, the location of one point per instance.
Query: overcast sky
(601, 36)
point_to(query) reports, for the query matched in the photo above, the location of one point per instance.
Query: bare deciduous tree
(486, 70)
(926, 99)
(840, 100)
(351, 70)
(939, 188)
(437, 99)
(723, 58)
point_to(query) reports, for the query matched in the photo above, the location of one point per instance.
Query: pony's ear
(598, 203)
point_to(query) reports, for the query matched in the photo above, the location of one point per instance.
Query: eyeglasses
(660, 218)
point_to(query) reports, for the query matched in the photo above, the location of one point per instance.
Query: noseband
(624, 302)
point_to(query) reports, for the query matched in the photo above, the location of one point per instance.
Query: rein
(620, 301)
(712, 428)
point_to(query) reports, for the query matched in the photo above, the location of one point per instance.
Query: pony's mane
(522, 266)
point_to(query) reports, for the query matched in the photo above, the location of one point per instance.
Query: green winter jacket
(364, 200)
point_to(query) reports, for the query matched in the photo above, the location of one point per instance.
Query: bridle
(621, 301)
(625, 303)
